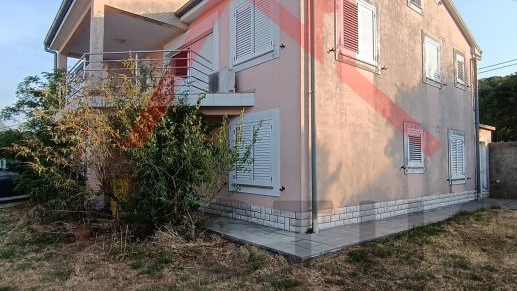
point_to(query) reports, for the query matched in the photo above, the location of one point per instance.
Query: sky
(493, 23)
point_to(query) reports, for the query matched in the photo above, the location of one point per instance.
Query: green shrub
(182, 166)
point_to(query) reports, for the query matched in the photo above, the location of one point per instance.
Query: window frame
(457, 180)
(274, 190)
(419, 9)
(355, 60)
(257, 59)
(426, 79)
(457, 82)
(410, 168)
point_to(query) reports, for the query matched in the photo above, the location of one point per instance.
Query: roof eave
(464, 28)
(191, 4)
(60, 16)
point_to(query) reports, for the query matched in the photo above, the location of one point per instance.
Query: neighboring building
(370, 164)
(485, 139)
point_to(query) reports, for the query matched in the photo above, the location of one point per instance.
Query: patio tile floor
(304, 246)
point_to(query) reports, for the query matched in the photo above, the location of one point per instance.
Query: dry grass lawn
(469, 252)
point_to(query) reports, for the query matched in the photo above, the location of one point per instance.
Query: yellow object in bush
(121, 186)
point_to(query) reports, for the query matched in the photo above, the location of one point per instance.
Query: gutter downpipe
(478, 158)
(314, 176)
(55, 56)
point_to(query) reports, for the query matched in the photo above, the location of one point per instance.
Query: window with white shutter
(416, 5)
(256, 139)
(460, 69)
(243, 17)
(357, 30)
(432, 56)
(414, 143)
(253, 32)
(456, 157)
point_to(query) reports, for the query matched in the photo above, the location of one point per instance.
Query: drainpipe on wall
(55, 56)
(314, 176)
(476, 108)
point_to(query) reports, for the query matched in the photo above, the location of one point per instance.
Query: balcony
(183, 74)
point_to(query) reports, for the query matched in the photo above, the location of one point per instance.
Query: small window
(3, 164)
(456, 157)
(256, 137)
(432, 56)
(253, 33)
(460, 69)
(357, 31)
(416, 5)
(414, 143)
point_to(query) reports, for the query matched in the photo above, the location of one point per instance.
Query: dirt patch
(469, 252)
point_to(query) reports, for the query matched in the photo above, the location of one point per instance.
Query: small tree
(498, 100)
(185, 163)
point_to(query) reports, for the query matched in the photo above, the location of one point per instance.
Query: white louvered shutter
(417, 3)
(414, 143)
(366, 32)
(415, 148)
(349, 31)
(263, 27)
(432, 60)
(262, 154)
(255, 153)
(242, 137)
(243, 31)
(457, 156)
(460, 69)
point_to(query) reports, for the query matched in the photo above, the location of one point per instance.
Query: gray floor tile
(304, 246)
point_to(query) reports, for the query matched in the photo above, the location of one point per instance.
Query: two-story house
(363, 109)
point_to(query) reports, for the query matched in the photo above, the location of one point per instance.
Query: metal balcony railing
(186, 71)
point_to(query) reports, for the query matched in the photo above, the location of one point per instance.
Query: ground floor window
(414, 143)
(256, 137)
(457, 157)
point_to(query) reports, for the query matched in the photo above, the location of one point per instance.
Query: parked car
(7, 183)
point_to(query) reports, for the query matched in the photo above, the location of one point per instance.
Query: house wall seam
(298, 221)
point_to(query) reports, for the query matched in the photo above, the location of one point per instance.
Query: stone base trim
(281, 219)
(297, 221)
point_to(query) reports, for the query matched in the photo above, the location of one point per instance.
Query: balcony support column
(95, 60)
(62, 61)
(95, 73)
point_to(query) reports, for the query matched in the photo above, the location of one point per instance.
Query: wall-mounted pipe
(55, 56)
(479, 189)
(314, 172)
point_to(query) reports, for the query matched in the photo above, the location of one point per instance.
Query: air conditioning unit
(222, 81)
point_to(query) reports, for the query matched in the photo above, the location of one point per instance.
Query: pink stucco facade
(360, 154)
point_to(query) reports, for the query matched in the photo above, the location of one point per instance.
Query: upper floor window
(460, 70)
(432, 56)
(357, 30)
(416, 5)
(253, 32)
